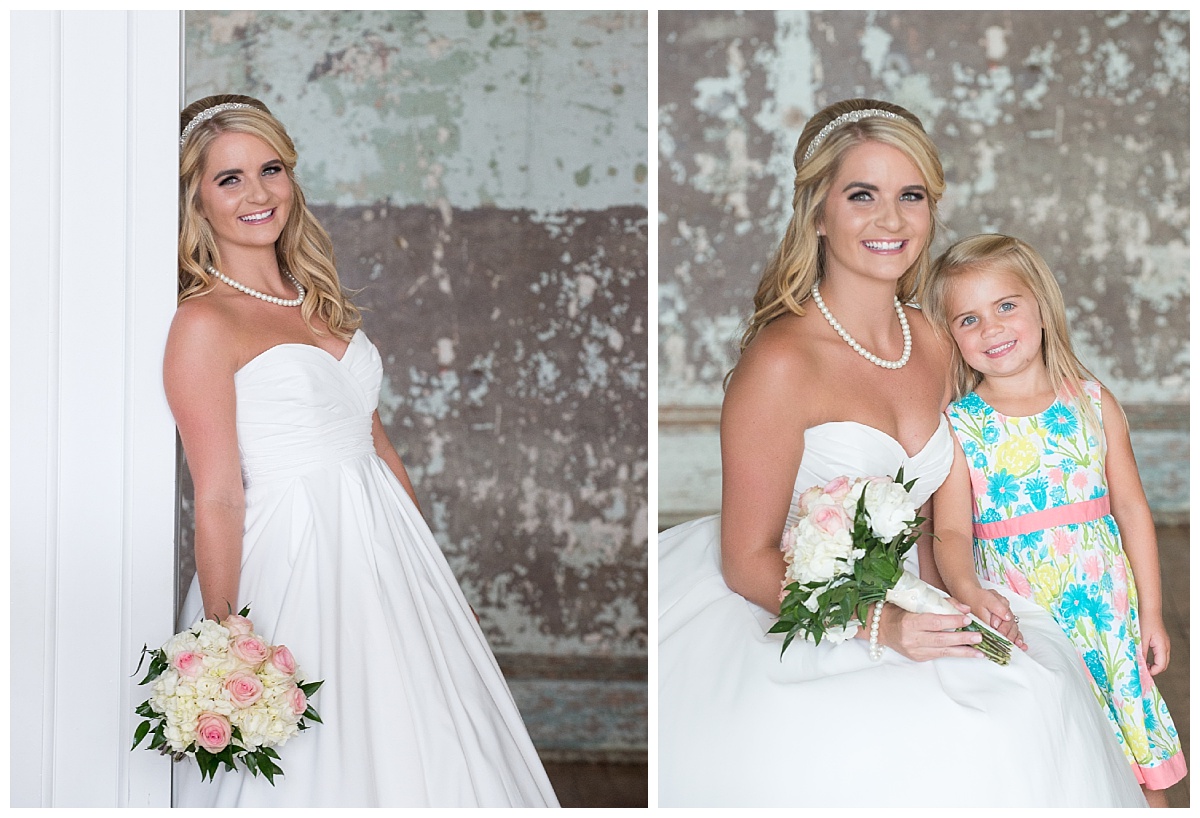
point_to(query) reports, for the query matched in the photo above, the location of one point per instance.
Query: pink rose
(788, 543)
(238, 625)
(243, 687)
(213, 732)
(189, 663)
(806, 499)
(298, 700)
(838, 488)
(282, 660)
(250, 649)
(829, 519)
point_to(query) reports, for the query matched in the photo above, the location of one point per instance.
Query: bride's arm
(198, 369)
(762, 440)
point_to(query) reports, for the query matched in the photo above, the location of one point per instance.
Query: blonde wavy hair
(1000, 253)
(304, 248)
(799, 262)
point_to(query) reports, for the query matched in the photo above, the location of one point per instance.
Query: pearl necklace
(875, 359)
(283, 302)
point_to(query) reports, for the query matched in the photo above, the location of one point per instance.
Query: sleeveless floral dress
(1043, 528)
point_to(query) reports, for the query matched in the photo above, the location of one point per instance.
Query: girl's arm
(1132, 513)
(953, 549)
(198, 369)
(387, 453)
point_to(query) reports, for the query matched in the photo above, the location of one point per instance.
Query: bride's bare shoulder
(783, 353)
(203, 329)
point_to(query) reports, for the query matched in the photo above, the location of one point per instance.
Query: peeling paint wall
(1068, 129)
(484, 179)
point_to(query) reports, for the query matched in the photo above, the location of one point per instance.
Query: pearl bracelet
(875, 649)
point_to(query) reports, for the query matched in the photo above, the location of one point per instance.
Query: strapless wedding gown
(826, 726)
(338, 564)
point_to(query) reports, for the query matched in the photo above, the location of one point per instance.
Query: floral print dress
(1043, 528)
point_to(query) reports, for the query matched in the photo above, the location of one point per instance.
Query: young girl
(1058, 511)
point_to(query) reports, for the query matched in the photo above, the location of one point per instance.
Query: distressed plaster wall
(1068, 129)
(483, 176)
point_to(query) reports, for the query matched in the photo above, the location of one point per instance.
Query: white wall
(94, 110)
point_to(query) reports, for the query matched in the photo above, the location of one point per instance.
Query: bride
(304, 510)
(837, 377)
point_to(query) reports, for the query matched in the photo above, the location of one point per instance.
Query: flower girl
(1046, 467)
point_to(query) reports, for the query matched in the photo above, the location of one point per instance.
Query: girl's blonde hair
(799, 262)
(999, 253)
(303, 248)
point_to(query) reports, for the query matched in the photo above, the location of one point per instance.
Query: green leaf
(310, 713)
(244, 611)
(251, 762)
(310, 688)
(140, 733)
(269, 751)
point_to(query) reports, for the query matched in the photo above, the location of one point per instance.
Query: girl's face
(876, 217)
(245, 192)
(995, 321)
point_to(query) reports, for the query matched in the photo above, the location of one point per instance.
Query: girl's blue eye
(913, 196)
(1007, 305)
(272, 170)
(226, 180)
(860, 196)
(968, 321)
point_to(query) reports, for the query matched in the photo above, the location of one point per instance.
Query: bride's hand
(922, 637)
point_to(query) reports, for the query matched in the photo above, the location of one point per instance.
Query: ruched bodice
(299, 408)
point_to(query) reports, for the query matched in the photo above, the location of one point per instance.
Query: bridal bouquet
(847, 553)
(223, 694)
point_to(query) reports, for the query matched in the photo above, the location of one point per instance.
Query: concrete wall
(484, 178)
(1068, 129)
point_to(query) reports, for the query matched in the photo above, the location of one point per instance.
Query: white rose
(889, 507)
(818, 555)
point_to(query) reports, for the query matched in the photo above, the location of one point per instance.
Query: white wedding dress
(338, 564)
(826, 726)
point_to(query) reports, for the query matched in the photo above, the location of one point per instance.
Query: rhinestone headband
(207, 114)
(844, 119)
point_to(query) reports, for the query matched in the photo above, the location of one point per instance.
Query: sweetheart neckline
(942, 422)
(326, 353)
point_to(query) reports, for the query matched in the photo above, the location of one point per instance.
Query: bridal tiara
(850, 116)
(207, 114)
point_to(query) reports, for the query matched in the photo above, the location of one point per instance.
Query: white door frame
(94, 120)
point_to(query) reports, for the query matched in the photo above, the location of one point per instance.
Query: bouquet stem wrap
(915, 595)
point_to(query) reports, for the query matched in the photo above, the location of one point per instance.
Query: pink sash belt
(1048, 518)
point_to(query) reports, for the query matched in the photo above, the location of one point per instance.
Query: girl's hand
(993, 609)
(922, 637)
(1156, 645)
